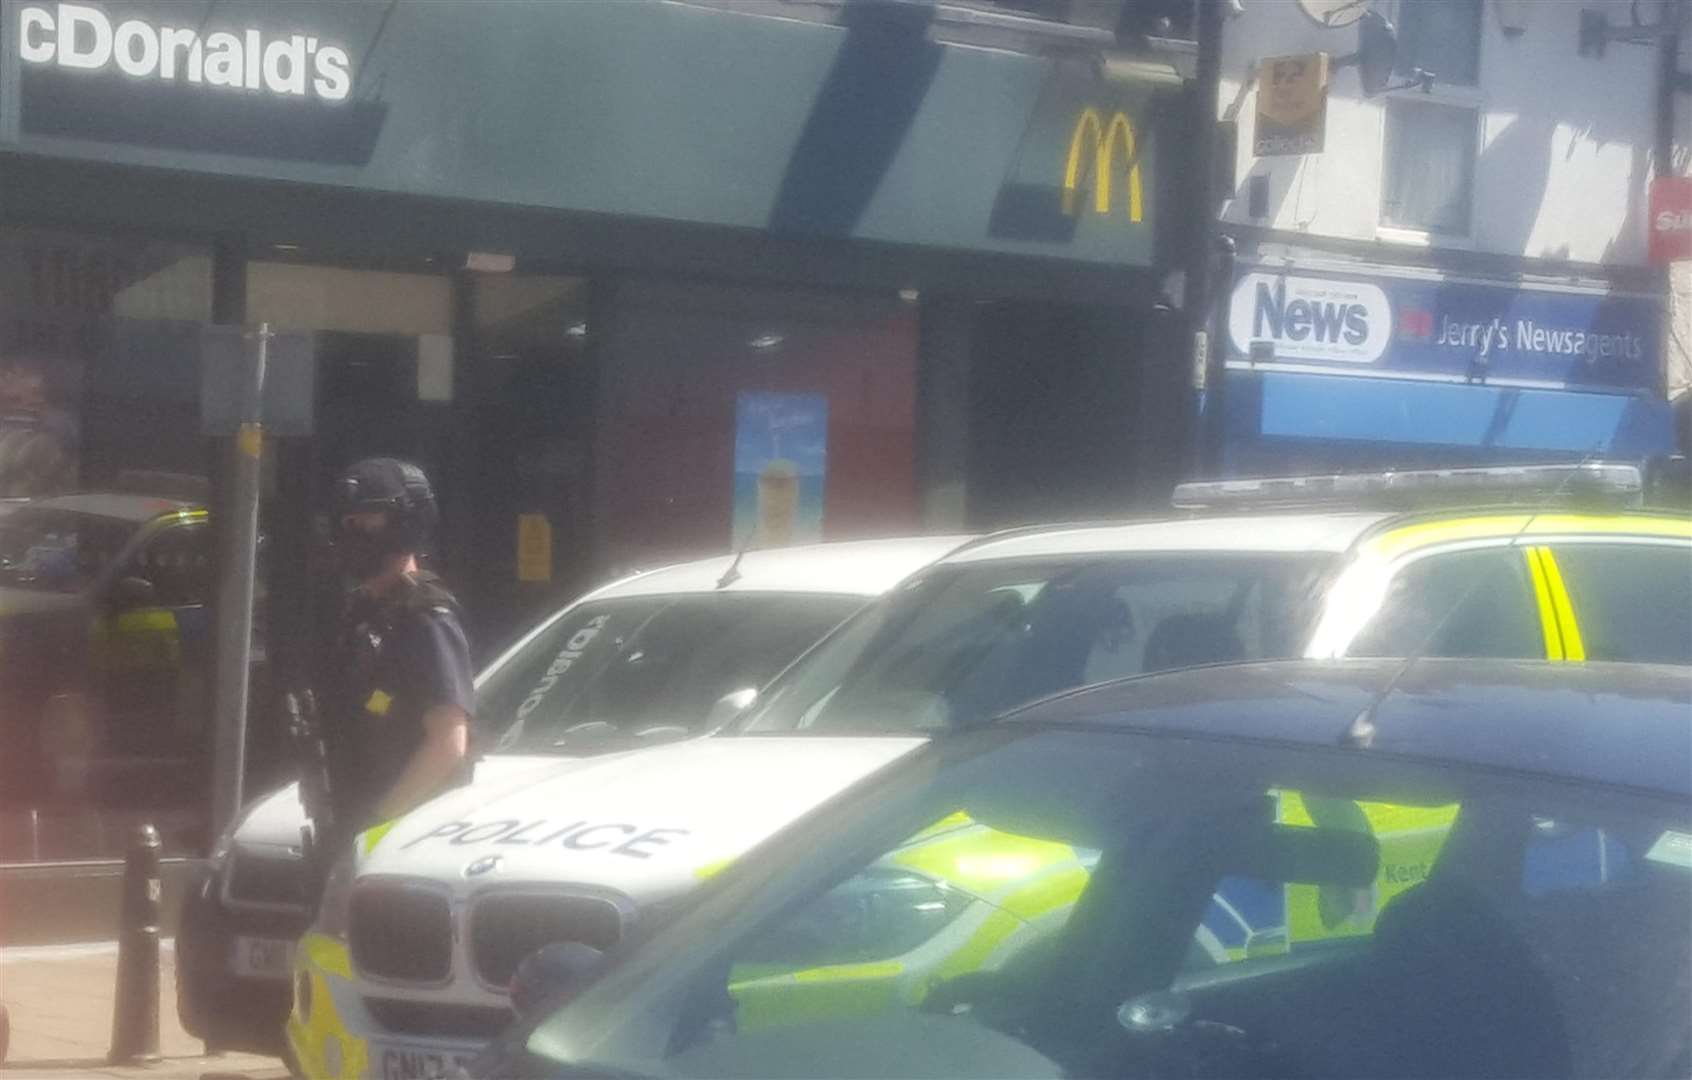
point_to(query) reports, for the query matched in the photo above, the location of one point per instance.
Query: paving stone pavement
(60, 1003)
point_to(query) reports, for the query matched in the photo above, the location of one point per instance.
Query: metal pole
(1668, 77)
(235, 587)
(1204, 354)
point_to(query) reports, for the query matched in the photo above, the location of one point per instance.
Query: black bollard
(135, 1015)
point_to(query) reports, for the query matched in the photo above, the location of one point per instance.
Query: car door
(152, 644)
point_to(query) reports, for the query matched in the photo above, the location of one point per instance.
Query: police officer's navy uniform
(400, 656)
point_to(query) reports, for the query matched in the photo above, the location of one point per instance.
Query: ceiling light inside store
(766, 341)
(576, 330)
(909, 296)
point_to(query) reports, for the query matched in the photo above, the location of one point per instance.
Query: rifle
(306, 735)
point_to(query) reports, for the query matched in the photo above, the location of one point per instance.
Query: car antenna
(1360, 733)
(732, 574)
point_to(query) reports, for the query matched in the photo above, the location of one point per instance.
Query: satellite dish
(1333, 14)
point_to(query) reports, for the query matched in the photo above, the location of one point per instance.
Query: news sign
(1447, 330)
(1671, 219)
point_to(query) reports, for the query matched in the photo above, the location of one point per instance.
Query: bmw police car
(634, 663)
(406, 970)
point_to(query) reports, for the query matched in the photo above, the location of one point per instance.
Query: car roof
(132, 508)
(1621, 724)
(1319, 532)
(849, 568)
(1322, 532)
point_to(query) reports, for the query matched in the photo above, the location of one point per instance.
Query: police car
(104, 643)
(1545, 934)
(406, 970)
(635, 663)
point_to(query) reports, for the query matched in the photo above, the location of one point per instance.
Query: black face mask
(361, 554)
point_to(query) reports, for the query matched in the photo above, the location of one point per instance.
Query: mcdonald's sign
(1092, 132)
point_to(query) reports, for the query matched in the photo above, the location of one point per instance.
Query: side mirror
(729, 706)
(552, 974)
(133, 592)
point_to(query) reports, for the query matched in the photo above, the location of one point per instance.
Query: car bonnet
(646, 823)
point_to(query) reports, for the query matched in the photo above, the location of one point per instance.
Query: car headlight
(334, 911)
(876, 915)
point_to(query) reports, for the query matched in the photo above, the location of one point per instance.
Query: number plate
(262, 958)
(401, 1062)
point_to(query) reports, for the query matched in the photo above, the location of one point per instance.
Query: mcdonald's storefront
(597, 264)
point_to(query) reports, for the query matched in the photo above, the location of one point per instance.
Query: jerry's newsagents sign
(1443, 329)
(193, 78)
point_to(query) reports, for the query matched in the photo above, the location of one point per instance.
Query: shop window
(384, 358)
(99, 377)
(533, 432)
(1442, 37)
(1430, 167)
(94, 378)
(730, 417)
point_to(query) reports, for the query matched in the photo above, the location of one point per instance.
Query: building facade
(1460, 272)
(634, 281)
(548, 247)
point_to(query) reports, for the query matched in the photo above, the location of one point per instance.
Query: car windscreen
(965, 643)
(45, 549)
(1024, 902)
(614, 670)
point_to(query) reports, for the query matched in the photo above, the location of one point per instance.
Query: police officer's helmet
(393, 487)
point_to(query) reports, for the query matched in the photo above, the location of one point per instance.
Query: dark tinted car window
(50, 550)
(178, 564)
(1463, 603)
(1633, 602)
(971, 642)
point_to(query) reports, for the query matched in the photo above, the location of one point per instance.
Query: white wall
(1565, 141)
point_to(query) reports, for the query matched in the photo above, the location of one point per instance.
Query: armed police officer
(398, 703)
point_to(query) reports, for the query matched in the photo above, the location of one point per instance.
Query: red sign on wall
(1671, 219)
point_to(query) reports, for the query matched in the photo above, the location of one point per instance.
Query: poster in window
(40, 441)
(780, 468)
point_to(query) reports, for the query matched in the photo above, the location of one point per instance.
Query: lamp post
(1203, 355)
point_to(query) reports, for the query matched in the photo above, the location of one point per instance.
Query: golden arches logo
(1090, 125)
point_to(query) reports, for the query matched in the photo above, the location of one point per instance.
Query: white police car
(405, 972)
(636, 662)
